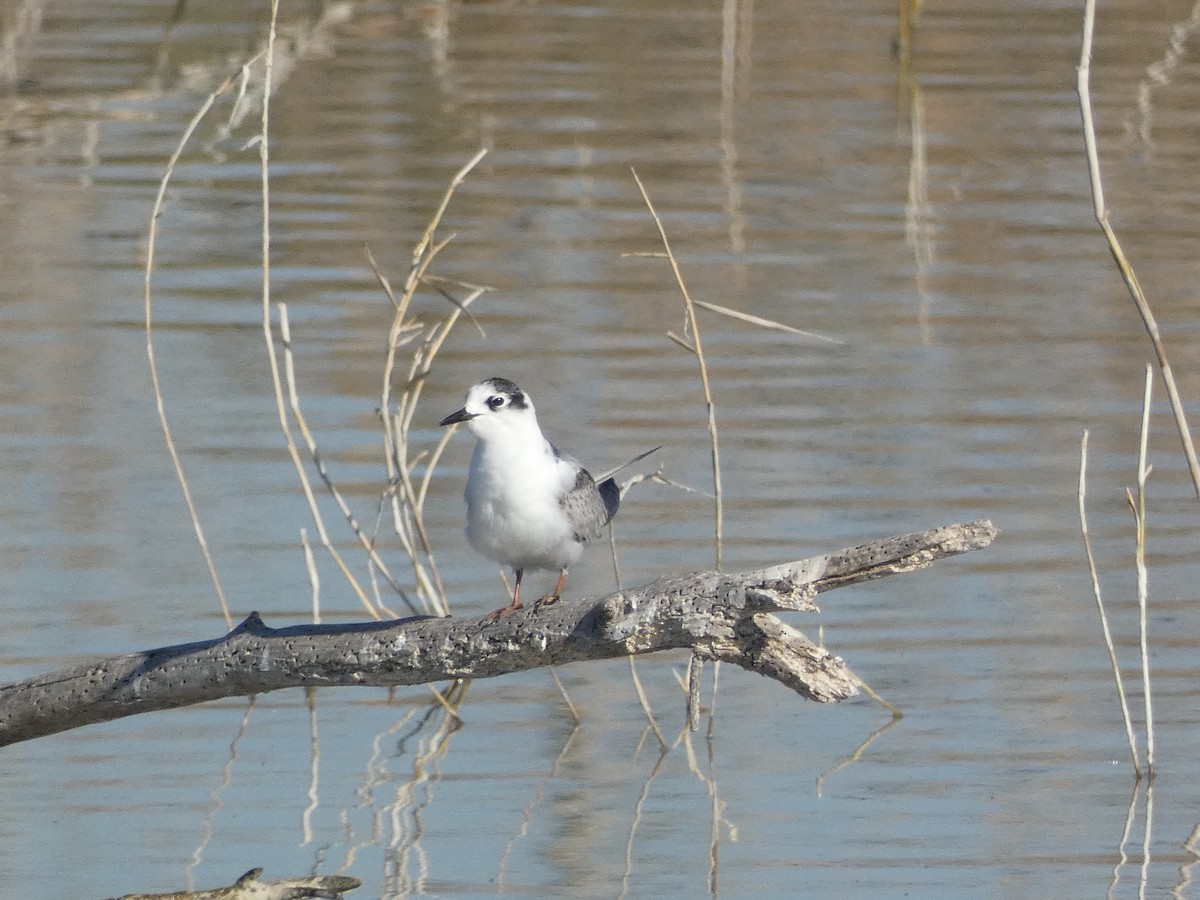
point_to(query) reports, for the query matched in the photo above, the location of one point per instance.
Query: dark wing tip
(611, 495)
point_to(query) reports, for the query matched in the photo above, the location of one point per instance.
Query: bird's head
(496, 407)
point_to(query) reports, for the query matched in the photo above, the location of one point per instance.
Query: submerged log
(718, 616)
(248, 887)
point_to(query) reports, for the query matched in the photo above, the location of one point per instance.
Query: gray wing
(589, 508)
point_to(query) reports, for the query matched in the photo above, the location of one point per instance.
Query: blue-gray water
(934, 218)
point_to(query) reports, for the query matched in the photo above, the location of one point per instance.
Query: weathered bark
(715, 615)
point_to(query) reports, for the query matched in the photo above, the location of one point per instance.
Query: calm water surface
(932, 217)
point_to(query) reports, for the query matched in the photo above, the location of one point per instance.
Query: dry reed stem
(314, 577)
(156, 384)
(306, 483)
(1140, 559)
(698, 349)
(434, 458)
(907, 12)
(395, 440)
(896, 712)
(314, 453)
(638, 688)
(1114, 245)
(420, 262)
(1108, 640)
(764, 323)
(682, 342)
(264, 154)
(406, 502)
(422, 364)
(277, 381)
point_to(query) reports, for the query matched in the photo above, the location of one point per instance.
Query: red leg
(516, 600)
(554, 597)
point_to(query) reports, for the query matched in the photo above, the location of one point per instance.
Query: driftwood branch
(248, 887)
(715, 615)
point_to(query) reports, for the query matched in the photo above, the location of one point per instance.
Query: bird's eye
(496, 401)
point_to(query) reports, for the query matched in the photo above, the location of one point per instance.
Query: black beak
(455, 417)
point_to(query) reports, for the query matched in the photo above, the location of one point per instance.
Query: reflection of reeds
(636, 821)
(535, 801)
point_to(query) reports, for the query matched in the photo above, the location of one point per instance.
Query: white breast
(514, 511)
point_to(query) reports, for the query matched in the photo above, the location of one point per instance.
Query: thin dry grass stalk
(764, 323)
(160, 403)
(375, 610)
(1108, 640)
(277, 381)
(1114, 245)
(405, 500)
(696, 347)
(1139, 514)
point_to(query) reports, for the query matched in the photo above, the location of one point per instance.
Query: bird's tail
(611, 495)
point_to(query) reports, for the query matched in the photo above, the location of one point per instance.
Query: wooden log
(715, 615)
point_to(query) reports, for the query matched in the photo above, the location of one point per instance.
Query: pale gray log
(716, 615)
(248, 887)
